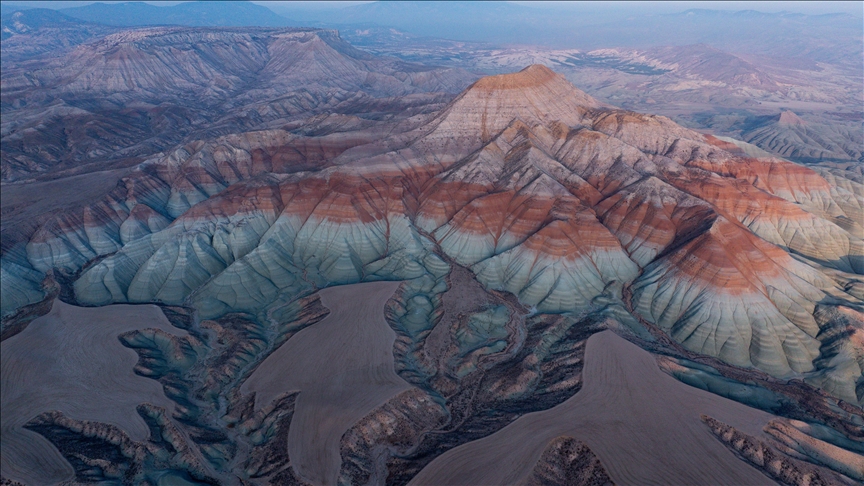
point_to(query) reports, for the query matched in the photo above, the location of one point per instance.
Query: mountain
(521, 218)
(461, 20)
(31, 32)
(782, 34)
(23, 21)
(137, 92)
(699, 86)
(28, 32)
(710, 64)
(191, 14)
(832, 37)
(788, 135)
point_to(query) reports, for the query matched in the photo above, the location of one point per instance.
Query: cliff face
(526, 185)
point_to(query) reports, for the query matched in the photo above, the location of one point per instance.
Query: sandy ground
(343, 367)
(71, 360)
(25, 206)
(37, 197)
(642, 424)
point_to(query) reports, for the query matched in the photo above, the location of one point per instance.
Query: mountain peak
(535, 96)
(530, 77)
(791, 119)
(531, 87)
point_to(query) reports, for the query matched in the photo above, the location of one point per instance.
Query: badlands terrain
(263, 256)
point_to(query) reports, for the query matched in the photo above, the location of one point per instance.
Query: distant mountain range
(834, 37)
(68, 27)
(591, 26)
(31, 32)
(192, 14)
(25, 21)
(135, 92)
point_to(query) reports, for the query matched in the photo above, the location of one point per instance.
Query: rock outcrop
(774, 464)
(568, 461)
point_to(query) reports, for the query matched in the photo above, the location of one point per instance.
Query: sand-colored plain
(25, 206)
(71, 360)
(642, 424)
(42, 196)
(343, 367)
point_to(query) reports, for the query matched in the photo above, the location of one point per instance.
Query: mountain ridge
(133, 14)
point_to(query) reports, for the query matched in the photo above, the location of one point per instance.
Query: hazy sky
(676, 6)
(853, 7)
(660, 7)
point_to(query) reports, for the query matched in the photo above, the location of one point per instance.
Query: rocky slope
(522, 218)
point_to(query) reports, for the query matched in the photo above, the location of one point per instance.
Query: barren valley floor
(642, 424)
